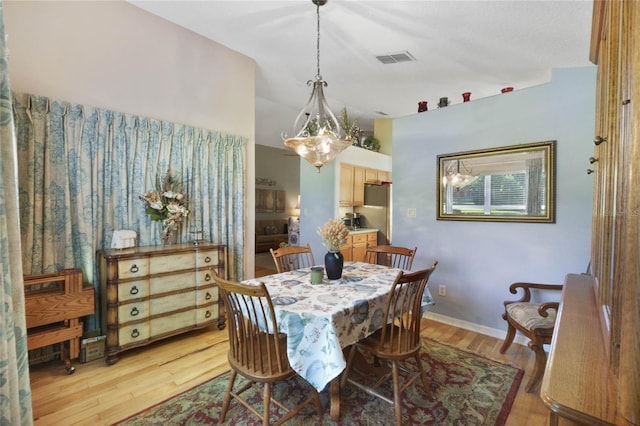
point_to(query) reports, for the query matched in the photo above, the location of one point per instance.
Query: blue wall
(318, 200)
(478, 260)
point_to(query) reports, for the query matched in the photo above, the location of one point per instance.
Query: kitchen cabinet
(359, 246)
(375, 177)
(347, 249)
(351, 185)
(150, 293)
(356, 245)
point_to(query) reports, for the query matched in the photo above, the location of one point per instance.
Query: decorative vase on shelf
(333, 263)
(169, 237)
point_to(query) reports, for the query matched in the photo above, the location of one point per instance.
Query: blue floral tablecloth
(321, 319)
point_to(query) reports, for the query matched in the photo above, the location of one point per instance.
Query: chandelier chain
(318, 38)
(319, 137)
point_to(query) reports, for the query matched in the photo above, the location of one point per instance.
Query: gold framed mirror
(513, 183)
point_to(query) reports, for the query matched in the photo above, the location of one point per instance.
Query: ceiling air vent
(394, 58)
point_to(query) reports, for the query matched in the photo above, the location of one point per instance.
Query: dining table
(321, 320)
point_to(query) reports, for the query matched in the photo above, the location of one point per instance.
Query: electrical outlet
(442, 290)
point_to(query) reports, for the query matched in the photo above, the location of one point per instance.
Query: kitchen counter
(354, 231)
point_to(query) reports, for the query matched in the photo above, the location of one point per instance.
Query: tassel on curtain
(82, 170)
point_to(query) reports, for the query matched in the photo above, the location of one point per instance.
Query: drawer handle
(134, 290)
(134, 268)
(208, 296)
(135, 333)
(207, 259)
(207, 277)
(207, 314)
(598, 140)
(134, 311)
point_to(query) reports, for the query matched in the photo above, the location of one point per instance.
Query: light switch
(411, 212)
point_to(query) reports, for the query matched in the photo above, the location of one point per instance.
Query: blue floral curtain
(15, 389)
(82, 170)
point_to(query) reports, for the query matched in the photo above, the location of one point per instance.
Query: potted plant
(371, 143)
(350, 127)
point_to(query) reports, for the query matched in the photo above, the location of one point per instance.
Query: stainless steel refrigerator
(376, 212)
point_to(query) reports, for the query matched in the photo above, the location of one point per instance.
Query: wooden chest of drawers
(150, 293)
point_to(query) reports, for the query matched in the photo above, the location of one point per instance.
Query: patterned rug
(468, 389)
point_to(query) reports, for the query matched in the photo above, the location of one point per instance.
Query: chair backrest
(401, 334)
(290, 258)
(256, 349)
(392, 256)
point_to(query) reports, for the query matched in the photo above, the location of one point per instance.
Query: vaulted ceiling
(458, 46)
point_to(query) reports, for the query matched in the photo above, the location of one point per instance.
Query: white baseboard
(476, 328)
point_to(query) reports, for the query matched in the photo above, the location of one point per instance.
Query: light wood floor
(98, 394)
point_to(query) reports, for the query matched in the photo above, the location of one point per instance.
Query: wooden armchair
(534, 320)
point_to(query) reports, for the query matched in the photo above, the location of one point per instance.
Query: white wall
(478, 260)
(114, 55)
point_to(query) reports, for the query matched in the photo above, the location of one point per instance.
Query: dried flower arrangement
(334, 234)
(167, 203)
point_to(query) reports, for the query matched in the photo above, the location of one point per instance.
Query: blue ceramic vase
(333, 262)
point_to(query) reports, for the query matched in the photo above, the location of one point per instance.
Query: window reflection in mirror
(509, 184)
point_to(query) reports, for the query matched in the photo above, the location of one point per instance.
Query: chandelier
(319, 138)
(456, 178)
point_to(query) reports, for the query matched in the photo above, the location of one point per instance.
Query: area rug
(467, 389)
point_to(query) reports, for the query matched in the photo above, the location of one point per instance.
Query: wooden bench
(54, 305)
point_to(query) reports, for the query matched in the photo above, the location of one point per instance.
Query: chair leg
(266, 402)
(396, 392)
(345, 373)
(227, 396)
(317, 402)
(508, 340)
(423, 375)
(540, 364)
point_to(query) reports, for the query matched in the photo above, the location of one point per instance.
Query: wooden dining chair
(257, 351)
(290, 258)
(534, 320)
(397, 341)
(392, 256)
